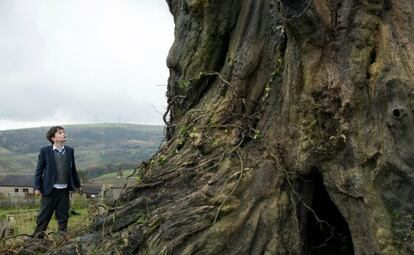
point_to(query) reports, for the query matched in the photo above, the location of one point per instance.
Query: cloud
(83, 61)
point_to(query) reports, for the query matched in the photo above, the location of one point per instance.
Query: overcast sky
(83, 61)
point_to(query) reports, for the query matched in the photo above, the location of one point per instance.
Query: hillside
(99, 148)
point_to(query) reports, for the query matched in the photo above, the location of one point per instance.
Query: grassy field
(125, 173)
(25, 223)
(24, 219)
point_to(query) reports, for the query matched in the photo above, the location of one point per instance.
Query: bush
(79, 201)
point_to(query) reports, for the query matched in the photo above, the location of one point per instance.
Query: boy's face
(60, 136)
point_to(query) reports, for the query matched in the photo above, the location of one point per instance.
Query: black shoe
(39, 235)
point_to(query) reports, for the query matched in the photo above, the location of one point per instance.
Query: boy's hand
(38, 193)
(79, 190)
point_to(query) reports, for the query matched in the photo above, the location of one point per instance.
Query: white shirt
(60, 151)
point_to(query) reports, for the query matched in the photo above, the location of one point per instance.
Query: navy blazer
(45, 174)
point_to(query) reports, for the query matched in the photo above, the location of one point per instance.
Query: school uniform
(55, 176)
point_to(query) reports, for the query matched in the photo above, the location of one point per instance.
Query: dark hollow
(396, 113)
(324, 239)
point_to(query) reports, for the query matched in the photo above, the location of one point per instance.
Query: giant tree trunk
(290, 132)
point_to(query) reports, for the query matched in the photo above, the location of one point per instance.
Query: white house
(14, 185)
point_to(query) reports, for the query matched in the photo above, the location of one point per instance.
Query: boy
(55, 176)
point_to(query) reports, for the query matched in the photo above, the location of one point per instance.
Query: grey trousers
(57, 201)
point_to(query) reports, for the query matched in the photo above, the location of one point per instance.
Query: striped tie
(60, 153)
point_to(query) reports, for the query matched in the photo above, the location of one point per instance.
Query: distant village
(15, 186)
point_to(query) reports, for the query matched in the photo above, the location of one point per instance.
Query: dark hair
(52, 131)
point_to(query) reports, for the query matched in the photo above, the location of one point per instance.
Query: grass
(125, 173)
(24, 219)
(110, 179)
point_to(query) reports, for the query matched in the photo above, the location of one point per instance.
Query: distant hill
(99, 148)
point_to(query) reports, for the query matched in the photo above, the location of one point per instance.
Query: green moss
(142, 219)
(162, 160)
(229, 207)
(184, 131)
(184, 84)
(180, 142)
(277, 72)
(257, 134)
